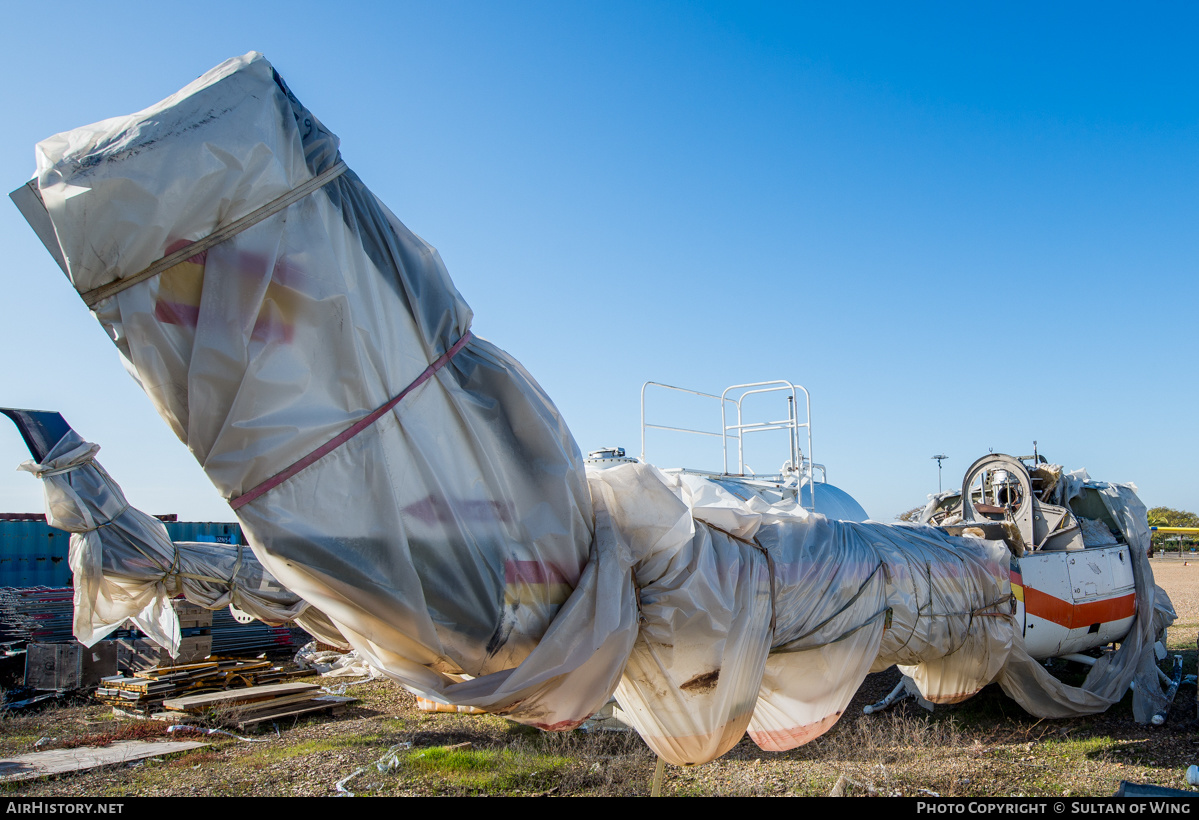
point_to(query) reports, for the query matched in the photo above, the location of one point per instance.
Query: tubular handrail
(735, 397)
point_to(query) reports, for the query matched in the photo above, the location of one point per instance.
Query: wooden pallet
(329, 704)
(236, 698)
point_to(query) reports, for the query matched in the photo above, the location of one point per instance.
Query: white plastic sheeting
(332, 664)
(1036, 690)
(125, 565)
(829, 501)
(443, 539)
(768, 622)
(459, 535)
(1025, 679)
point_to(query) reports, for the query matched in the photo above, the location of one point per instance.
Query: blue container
(34, 554)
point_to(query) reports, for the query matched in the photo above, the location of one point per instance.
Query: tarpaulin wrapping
(1025, 678)
(764, 620)
(458, 535)
(1029, 684)
(125, 566)
(441, 540)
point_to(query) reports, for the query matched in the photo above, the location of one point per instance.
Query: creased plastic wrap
(767, 622)
(459, 536)
(443, 539)
(126, 567)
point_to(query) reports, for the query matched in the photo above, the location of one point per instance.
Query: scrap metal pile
(47, 615)
(413, 483)
(36, 614)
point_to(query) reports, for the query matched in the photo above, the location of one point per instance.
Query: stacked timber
(246, 707)
(143, 691)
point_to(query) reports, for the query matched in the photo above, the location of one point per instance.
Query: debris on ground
(57, 761)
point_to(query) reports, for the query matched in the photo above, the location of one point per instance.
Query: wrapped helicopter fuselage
(415, 484)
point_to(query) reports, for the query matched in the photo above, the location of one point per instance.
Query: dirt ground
(1179, 576)
(986, 746)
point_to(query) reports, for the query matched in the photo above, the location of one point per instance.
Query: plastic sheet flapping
(125, 566)
(458, 536)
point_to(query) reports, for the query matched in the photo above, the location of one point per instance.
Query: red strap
(349, 432)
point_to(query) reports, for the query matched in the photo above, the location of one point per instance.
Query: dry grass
(986, 746)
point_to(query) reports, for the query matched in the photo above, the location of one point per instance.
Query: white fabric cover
(459, 535)
(1026, 680)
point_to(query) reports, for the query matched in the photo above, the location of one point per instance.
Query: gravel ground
(986, 746)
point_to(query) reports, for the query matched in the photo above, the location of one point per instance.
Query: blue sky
(961, 226)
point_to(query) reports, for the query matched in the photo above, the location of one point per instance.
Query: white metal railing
(733, 399)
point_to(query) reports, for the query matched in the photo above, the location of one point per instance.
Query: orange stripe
(1076, 616)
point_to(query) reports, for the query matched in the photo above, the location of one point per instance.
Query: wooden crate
(136, 654)
(64, 667)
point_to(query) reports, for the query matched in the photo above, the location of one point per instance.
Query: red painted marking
(946, 700)
(780, 740)
(269, 326)
(281, 271)
(199, 259)
(438, 509)
(176, 313)
(534, 572)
